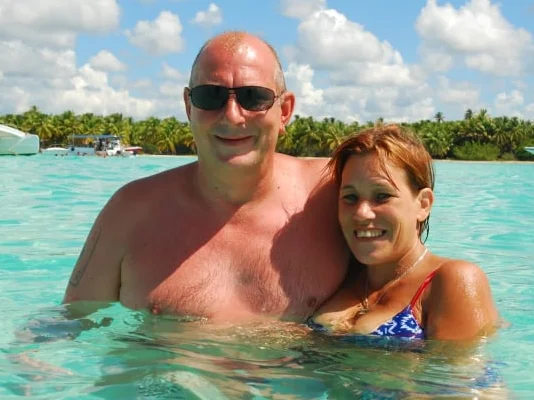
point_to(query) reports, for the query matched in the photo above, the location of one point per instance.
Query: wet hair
(231, 40)
(393, 144)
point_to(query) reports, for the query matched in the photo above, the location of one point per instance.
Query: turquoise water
(484, 213)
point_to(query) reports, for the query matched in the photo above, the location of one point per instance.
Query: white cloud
(327, 39)
(209, 18)
(299, 79)
(51, 80)
(142, 84)
(86, 91)
(357, 102)
(56, 22)
(363, 77)
(171, 89)
(476, 32)
(107, 101)
(38, 60)
(435, 59)
(20, 60)
(515, 97)
(509, 103)
(301, 9)
(106, 61)
(158, 37)
(460, 93)
(169, 72)
(372, 74)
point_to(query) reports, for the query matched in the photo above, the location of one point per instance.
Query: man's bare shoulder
(311, 162)
(312, 169)
(154, 186)
(136, 200)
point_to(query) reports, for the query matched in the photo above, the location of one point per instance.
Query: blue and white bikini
(402, 325)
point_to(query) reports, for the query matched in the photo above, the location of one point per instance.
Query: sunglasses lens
(209, 97)
(214, 97)
(255, 98)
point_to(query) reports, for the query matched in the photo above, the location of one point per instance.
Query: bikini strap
(422, 288)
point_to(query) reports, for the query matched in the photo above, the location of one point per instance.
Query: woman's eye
(349, 198)
(381, 197)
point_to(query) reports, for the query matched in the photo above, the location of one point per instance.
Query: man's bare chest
(216, 273)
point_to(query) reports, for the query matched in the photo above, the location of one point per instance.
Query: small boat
(55, 150)
(530, 149)
(15, 142)
(133, 150)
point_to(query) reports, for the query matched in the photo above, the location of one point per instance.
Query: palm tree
(468, 114)
(439, 117)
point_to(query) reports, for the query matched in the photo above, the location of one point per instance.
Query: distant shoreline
(484, 161)
(435, 160)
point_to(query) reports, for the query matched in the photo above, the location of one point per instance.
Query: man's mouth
(234, 140)
(369, 233)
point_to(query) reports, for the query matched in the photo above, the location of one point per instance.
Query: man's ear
(187, 102)
(288, 105)
(426, 200)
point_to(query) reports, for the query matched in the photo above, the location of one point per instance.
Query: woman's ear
(425, 199)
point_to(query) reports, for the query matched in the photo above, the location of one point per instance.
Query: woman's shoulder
(459, 304)
(456, 272)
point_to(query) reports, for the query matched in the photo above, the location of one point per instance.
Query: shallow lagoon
(484, 213)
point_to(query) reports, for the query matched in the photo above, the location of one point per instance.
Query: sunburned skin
(85, 257)
(279, 270)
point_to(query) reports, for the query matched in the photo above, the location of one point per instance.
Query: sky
(355, 60)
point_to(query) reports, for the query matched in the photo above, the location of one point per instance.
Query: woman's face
(379, 217)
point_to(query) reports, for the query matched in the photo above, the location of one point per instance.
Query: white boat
(133, 150)
(55, 151)
(530, 149)
(15, 142)
(97, 145)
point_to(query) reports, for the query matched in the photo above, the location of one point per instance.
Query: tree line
(477, 136)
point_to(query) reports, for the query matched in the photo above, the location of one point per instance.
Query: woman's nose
(363, 211)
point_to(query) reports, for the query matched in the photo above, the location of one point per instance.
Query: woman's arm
(459, 305)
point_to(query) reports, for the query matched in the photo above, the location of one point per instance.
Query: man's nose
(233, 111)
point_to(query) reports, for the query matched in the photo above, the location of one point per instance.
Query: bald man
(241, 234)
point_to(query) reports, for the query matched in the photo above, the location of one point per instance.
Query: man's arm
(460, 304)
(97, 273)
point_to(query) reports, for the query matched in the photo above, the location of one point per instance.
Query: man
(242, 233)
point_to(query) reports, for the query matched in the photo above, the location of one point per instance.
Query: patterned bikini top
(402, 325)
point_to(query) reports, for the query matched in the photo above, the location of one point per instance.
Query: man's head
(236, 101)
(231, 41)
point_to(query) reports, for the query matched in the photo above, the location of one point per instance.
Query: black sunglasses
(214, 97)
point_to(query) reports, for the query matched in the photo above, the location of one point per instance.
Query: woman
(401, 289)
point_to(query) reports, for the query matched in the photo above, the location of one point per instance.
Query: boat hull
(55, 151)
(15, 142)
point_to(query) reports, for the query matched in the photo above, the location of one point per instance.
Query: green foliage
(507, 157)
(150, 148)
(477, 136)
(476, 152)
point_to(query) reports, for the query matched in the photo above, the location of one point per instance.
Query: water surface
(483, 213)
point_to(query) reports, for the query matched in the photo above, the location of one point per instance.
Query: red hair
(392, 144)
